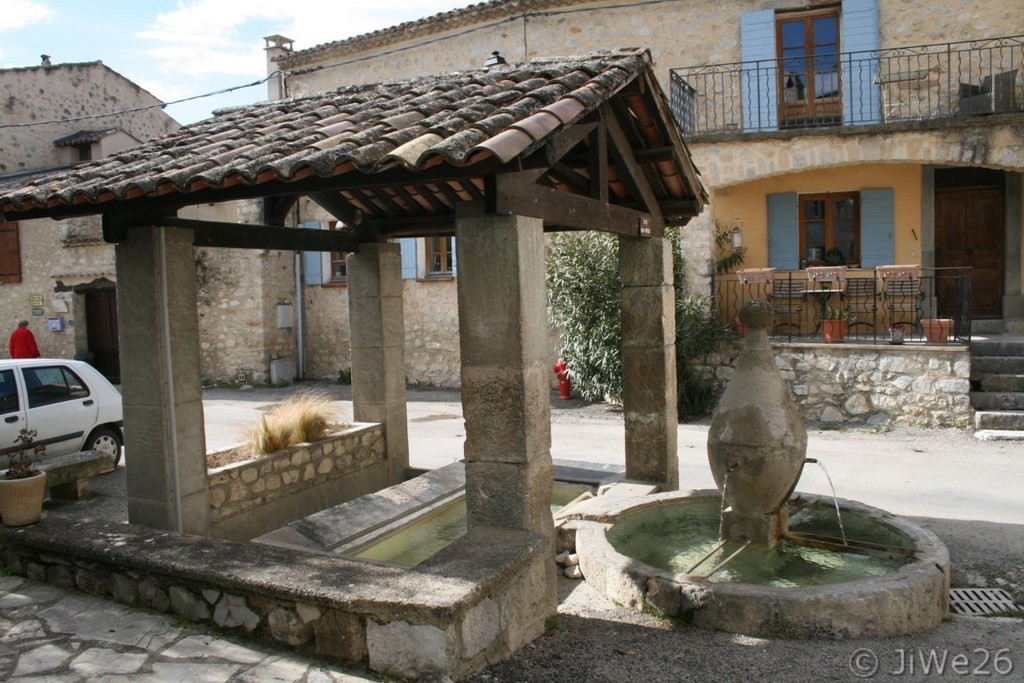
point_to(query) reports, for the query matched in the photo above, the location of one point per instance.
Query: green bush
(584, 300)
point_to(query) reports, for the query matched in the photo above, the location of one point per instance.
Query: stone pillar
(377, 331)
(158, 331)
(505, 379)
(649, 360)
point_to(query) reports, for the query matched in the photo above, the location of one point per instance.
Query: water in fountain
(677, 536)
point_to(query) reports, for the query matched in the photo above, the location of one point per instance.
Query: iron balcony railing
(876, 306)
(851, 88)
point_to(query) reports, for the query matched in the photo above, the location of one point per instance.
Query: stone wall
(256, 496)
(678, 34)
(865, 385)
(40, 94)
(449, 616)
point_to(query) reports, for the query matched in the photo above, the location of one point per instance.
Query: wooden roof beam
(517, 194)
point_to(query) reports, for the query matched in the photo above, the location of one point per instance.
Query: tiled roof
(460, 120)
(83, 137)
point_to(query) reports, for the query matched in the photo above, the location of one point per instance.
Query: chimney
(276, 46)
(495, 60)
(46, 60)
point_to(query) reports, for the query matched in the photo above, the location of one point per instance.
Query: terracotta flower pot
(936, 330)
(833, 330)
(21, 500)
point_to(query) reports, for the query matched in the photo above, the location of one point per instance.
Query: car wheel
(105, 440)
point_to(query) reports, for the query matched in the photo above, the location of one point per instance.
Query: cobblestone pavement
(58, 636)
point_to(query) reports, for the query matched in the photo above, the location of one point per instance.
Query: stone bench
(67, 476)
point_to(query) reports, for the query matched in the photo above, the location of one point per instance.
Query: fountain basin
(909, 598)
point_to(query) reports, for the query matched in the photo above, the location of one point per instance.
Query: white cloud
(204, 37)
(18, 13)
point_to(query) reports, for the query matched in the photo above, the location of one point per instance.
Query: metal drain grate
(980, 601)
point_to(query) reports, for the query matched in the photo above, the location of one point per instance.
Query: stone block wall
(256, 496)
(431, 332)
(470, 605)
(858, 384)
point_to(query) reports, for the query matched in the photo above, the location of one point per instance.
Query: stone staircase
(997, 387)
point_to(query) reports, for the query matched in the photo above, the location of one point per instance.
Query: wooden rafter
(632, 173)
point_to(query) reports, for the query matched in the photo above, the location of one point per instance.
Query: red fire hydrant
(564, 383)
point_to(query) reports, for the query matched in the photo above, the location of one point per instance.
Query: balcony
(880, 305)
(851, 88)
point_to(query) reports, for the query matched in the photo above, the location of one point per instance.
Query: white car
(70, 405)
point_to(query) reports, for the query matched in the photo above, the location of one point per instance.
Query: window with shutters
(830, 228)
(10, 253)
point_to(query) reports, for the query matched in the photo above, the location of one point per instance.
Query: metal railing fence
(851, 88)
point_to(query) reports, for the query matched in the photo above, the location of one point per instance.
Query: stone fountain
(891, 577)
(757, 442)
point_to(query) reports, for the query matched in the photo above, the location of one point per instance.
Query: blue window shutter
(408, 245)
(312, 261)
(877, 228)
(758, 80)
(455, 260)
(783, 232)
(859, 34)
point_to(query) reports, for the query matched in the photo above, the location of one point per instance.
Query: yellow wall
(748, 202)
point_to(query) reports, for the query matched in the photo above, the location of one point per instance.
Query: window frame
(333, 259)
(446, 254)
(812, 106)
(828, 219)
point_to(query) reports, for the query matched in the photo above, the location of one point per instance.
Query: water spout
(839, 515)
(721, 511)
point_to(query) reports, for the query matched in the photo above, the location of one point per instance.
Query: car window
(52, 384)
(8, 392)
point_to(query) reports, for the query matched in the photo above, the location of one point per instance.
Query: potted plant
(936, 330)
(22, 485)
(833, 324)
(896, 333)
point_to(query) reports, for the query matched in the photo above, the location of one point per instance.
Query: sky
(177, 49)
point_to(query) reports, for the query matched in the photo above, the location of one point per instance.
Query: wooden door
(101, 332)
(970, 230)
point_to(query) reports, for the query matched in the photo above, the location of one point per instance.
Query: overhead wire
(132, 110)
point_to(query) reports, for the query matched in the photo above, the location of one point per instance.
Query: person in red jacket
(23, 343)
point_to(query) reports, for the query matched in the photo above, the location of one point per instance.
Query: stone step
(1001, 383)
(996, 365)
(999, 419)
(997, 400)
(997, 347)
(998, 435)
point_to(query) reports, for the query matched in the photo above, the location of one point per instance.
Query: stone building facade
(53, 271)
(892, 164)
(60, 275)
